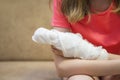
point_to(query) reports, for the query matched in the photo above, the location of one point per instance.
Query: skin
(73, 68)
(96, 5)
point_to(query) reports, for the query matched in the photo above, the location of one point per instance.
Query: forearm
(68, 67)
(114, 56)
(95, 68)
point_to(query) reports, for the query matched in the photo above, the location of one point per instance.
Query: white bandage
(72, 45)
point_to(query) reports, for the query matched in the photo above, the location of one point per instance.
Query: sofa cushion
(28, 70)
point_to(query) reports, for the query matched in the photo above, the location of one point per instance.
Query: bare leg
(106, 77)
(81, 77)
(115, 77)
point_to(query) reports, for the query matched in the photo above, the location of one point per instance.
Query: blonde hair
(75, 10)
(117, 3)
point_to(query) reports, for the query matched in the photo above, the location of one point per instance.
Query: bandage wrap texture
(72, 45)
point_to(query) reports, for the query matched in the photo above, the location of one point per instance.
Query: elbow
(61, 66)
(63, 71)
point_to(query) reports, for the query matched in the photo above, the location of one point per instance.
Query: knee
(80, 77)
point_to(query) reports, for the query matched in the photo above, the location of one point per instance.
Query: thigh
(81, 77)
(115, 77)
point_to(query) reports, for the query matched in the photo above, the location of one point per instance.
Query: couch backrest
(18, 20)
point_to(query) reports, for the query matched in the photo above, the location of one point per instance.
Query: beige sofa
(20, 57)
(35, 70)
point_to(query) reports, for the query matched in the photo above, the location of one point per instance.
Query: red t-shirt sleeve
(58, 19)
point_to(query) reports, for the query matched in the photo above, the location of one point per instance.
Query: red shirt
(102, 30)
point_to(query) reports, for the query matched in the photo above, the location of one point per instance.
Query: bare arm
(62, 29)
(67, 67)
(113, 56)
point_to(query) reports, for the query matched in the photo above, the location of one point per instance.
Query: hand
(56, 51)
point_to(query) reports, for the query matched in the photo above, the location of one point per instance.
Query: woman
(98, 22)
